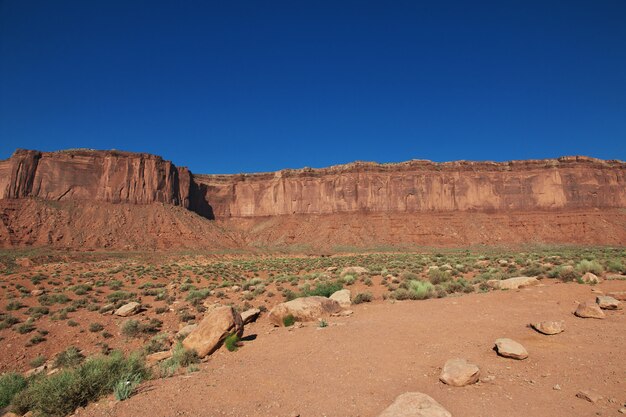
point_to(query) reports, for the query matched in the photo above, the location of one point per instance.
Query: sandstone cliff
(421, 187)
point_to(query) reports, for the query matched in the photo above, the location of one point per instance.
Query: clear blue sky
(245, 86)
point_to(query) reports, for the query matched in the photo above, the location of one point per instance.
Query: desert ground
(410, 312)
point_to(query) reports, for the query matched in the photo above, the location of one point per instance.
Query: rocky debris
(157, 357)
(557, 387)
(250, 315)
(606, 302)
(37, 293)
(588, 396)
(415, 404)
(488, 378)
(304, 309)
(512, 283)
(618, 295)
(510, 349)
(213, 329)
(35, 371)
(186, 330)
(590, 278)
(343, 297)
(622, 410)
(128, 309)
(549, 327)
(235, 288)
(344, 313)
(459, 372)
(353, 270)
(331, 269)
(589, 311)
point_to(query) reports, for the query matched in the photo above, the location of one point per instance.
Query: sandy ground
(358, 365)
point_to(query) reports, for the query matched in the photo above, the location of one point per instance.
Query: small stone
(606, 302)
(549, 327)
(510, 349)
(587, 396)
(590, 278)
(557, 387)
(589, 311)
(415, 404)
(488, 378)
(458, 373)
(622, 410)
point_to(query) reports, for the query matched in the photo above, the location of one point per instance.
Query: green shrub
(615, 265)
(437, 276)
(25, 328)
(231, 342)
(363, 297)
(61, 393)
(96, 327)
(415, 290)
(180, 357)
(70, 357)
(10, 384)
(14, 305)
(323, 289)
(585, 266)
(37, 361)
(289, 320)
(125, 387)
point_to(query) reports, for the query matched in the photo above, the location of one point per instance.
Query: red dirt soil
(359, 364)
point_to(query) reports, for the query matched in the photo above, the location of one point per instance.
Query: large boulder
(590, 278)
(213, 329)
(415, 404)
(509, 348)
(606, 302)
(304, 309)
(549, 327)
(129, 309)
(512, 283)
(186, 330)
(589, 311)
(618, 295)
(343, 297)
(459, 372)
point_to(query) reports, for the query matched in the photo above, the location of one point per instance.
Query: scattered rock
(606, 302)
(128, 309)
(622, 410)
(589, 311)
(510, 349)
(587, 396)
(213, 329)
(557, 387)
(344, 313)
(155, 358)
(458, 373)
(343, 297)
(512, 283)
(250, 315)
(235, 288)
(618, 295)
(37, 293)
(35, 371)
(353, 270)
(415, 404)
(488, 378)
(590, 278)
(331, 269)
(549, 327)
(304, 309)
(186, 330)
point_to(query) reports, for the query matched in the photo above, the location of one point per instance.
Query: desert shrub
(323, 289)
(38, 311)
(181, 357)
(585, 266)
(37, 361)
(615, 265)
(348, 279)
(61, 393)
(156, 344)
(565, 273)
(119, 296)
(96, 327)
(25, 327)
(362, 297)
(10, 384)
(133, 328)
(323, 323)
(415, 290)
(408, 276)
(437, 276)
(7, 320)
(36, 339)
(289, 320)
(50, 299)
(70, 357)
(14, 305)
(231, 342)
(124, 387)
(196, 296)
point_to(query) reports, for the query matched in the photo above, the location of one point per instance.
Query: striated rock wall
(421, 187)
(111, 176)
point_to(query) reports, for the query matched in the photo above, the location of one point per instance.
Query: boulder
(415, 404)
(157, 357)
(549, 327)
(128, 309)
(213, 329)
(343, 297)
(250, 315)
(510, 349)
(459, 372)
(37, 293)
(512, 283)
(589, 311)
(588, 396)
(590, 278)
(353, 270)
(304, 309)
(606, 302)
(186, 330)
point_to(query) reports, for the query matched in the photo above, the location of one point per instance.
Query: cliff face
(111, 176)
(420, 187)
